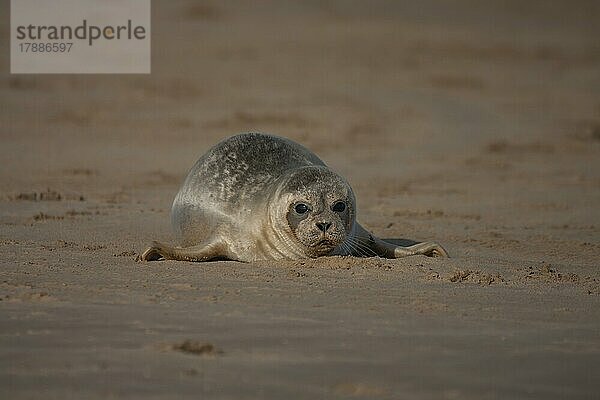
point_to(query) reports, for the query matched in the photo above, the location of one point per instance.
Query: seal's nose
(323, 226)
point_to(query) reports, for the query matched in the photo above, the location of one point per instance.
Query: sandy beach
(474, 124)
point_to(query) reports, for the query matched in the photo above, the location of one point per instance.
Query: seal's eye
(301, 208)
(340, 206)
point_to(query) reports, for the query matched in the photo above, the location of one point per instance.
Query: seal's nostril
(323, 226)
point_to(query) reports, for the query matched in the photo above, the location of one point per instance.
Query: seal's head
(316, 208)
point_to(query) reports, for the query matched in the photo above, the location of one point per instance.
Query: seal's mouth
(323, 247)
(325, 243)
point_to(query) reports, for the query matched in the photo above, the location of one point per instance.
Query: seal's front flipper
(390, 250)
(199, 253)
(430, 249)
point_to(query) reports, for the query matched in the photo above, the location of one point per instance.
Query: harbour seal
(260, 197)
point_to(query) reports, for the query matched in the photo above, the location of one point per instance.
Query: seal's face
(320, 209)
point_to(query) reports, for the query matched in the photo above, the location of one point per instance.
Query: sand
(475, 125)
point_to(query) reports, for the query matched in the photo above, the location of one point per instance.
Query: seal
(259, 197)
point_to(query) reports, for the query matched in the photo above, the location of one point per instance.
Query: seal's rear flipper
(203, 252)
